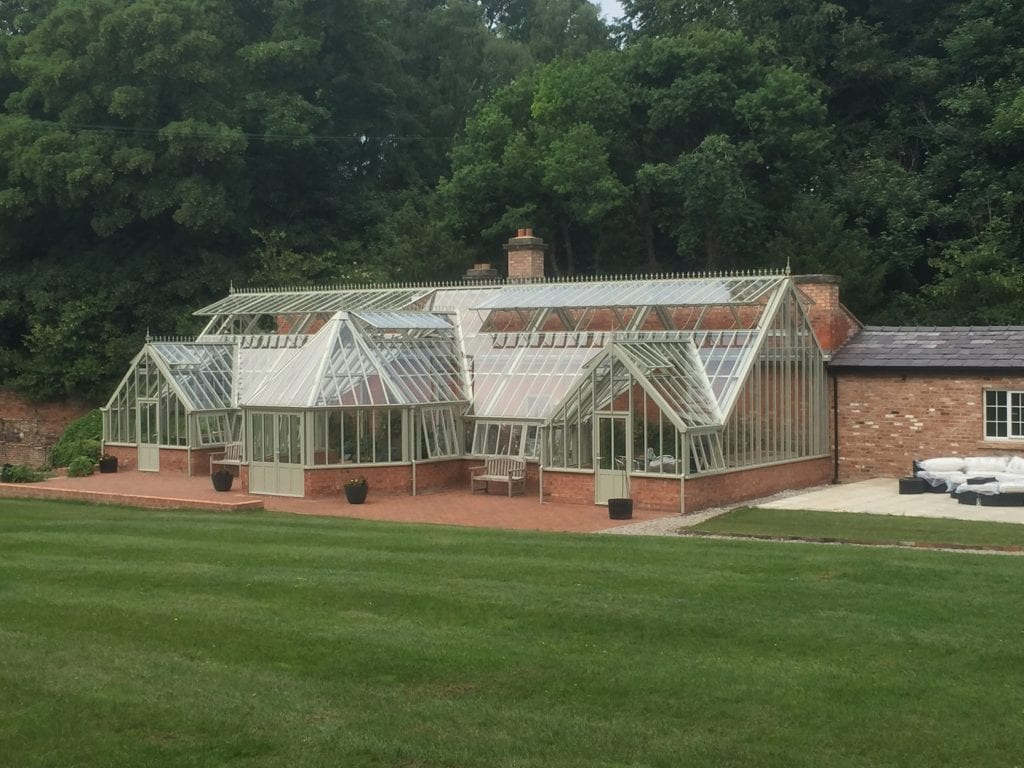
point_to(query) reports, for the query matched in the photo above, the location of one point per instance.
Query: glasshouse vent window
(439, 435)
(491, 438)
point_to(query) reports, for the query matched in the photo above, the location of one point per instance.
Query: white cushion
(988, 489)
(1016, 486)
(943, 464)
(1016, 465)
(950, 479)
(976, 464)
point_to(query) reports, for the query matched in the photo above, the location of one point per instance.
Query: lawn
(848, 526)
(141, 638)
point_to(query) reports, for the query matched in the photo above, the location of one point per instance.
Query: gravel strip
(673, 524)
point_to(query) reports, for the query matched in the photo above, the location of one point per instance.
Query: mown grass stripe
(194, 639)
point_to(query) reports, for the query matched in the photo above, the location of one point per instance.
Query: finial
(787, 266)
(148, 337)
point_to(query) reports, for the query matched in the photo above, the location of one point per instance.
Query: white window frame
(1009, 414)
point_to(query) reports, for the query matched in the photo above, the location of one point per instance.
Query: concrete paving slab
(881, 497)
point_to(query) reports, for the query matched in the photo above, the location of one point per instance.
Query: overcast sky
(610, 9)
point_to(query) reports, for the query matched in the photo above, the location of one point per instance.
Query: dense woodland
(152, 152)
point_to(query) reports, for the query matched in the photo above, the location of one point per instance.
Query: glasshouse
(676, 391)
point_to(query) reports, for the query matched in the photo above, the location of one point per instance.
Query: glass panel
(334, 441)
(531, 446)
(350, 434)
(320, 456)
(397, 423)
(289, 439)
(264, 424)
(606, 450)
(257, 437)
(381, 436)
(364, 422)
(149, 422)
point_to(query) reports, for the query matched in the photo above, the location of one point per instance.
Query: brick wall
(569, 487)
(127, 456)
(397, 480)
(833, 323)
(887, 420)
(662, 493)
(29, 430)
(386, 481)
(657, 493)
(742, 485)
(171, 459)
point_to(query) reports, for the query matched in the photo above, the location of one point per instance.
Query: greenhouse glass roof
(513, 351)
(634, 293)
(316, 301)
(402, 320)
(671, 369)
(524, 376)
(202, 373)
(343, 365)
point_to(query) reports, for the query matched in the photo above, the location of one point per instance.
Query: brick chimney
(525, 257)
(480, 273)
(833, 324)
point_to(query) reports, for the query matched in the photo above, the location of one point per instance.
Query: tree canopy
(152, 152)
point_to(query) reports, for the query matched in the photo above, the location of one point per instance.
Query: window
(357, 436)
(1004, 414)
(438, 436)
(505, 439)
(218, 428)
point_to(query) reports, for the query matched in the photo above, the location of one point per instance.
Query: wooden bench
(499, 469)
(230, 456)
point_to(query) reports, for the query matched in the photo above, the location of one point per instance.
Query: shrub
(81, 438)
(80, 466)
(21, 473)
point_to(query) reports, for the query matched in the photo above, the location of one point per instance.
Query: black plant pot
(108, 466)
(620, 509)
(356, 494)
(222, 481)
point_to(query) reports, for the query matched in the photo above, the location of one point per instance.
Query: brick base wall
(171, 459)
(569, 487)
(127, 456)
(29, 430)
(661, 494)
(745, 484)
(397, 480)
(657, 493)
(887, 420)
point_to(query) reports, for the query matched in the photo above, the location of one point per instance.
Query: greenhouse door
(276, 466)
(149, 436)
(611, 460)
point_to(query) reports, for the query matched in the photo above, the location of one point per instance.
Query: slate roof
(988, 347)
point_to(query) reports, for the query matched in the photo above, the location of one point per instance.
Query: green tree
(678, 149)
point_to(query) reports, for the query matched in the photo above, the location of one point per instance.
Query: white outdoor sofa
(986, 480)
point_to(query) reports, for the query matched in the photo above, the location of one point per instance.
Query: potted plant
(222, 479)
(355, 490)
(621, 509)
(108, 464)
